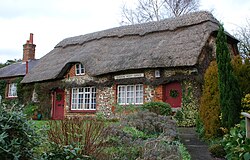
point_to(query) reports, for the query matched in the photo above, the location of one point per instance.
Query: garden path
(197, 149)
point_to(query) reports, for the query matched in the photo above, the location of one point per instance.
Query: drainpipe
(27, 67)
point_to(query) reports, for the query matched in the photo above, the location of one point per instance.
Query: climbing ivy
(186, 116)
(44, 91)
(3, 84)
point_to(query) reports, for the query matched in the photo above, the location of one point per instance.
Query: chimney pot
(31, 38)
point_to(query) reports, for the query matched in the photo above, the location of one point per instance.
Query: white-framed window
(157, 73)
(80, 69)
(130, 94)
(12, 91)
(83, 98)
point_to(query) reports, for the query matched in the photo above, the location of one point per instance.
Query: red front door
(173, 94)
(58, 104)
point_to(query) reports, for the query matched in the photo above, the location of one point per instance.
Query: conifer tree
(230, 94)
(209, 104)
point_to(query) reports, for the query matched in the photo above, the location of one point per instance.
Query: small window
(12, 91)
(80, 69)
(83, 98)
(130, 94)
(157, 73)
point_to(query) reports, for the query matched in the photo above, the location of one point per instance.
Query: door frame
(53, 100)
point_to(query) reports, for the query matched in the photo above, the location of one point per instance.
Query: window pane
(83, 98)
(12, 92)
(130, 94)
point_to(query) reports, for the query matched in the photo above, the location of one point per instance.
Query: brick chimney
(29, 49)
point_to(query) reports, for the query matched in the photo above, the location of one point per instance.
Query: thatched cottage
(135, 64)
(12, 74)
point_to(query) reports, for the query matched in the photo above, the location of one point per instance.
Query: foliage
(160, 108)
(143, 135)
(24, 93)
(88, 135)
(200, 127)
(18, 138)
(173, 93)
(184, 153)
(209, 110)
(236, 145)
(230, 94)
(187, 114)
(246, 103)
(44, 91)
(155, 10)
(3, 84)
(58, 152)
(8, 62)
(151, 123)
(217, 150)
(241, 69)
(30, 109)
(136, 133)
(160, 149)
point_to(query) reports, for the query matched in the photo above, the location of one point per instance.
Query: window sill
(83, 111)
(11, 97)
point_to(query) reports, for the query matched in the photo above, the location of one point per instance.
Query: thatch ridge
(174, 42)
(169, 24)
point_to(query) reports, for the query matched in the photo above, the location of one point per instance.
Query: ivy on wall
(186, 116)
(3, 84)
(44, 91)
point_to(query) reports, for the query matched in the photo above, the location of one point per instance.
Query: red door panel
(58, 104)
(173, 94)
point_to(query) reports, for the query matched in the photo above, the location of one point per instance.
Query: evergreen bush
(18, 138)
(241, 70)
(230, 94)
(209, 111)
(160, 108)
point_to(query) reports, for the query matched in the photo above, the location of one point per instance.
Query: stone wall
(106, 95)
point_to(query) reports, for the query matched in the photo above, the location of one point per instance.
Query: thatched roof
(167, 43)
(16, 69)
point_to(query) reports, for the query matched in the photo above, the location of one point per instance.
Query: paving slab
(197, 149)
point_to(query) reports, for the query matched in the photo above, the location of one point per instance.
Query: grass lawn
(40, 123)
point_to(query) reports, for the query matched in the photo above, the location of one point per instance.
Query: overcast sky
(53, 20)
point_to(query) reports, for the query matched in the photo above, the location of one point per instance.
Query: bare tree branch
(243, 35)
(155, 10)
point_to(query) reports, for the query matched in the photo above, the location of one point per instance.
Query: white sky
(53, 20)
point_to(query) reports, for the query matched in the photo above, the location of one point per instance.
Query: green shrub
(246, 103)
(236, 145)
(200, 127)
(151, 123)
(143, 135)
(184, 153)
(58, 152)
(241, 70)
(209, 111)
(217, 150)
(136, 133)
(30, 109)
(18, 138)
(160, 108)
